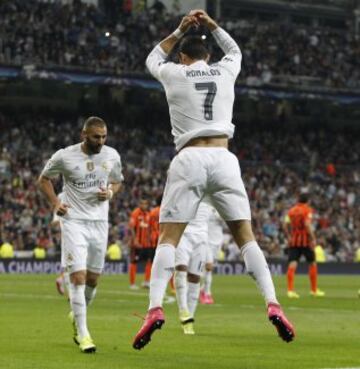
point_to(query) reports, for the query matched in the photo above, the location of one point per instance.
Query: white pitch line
(170, 300)
(47, 297)
(119, 292)
(320, 310)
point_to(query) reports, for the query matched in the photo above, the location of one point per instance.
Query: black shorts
(143, 254)
(295, 253)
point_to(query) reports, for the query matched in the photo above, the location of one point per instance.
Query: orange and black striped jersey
(140, 224)
(299, 215)
(154, 226)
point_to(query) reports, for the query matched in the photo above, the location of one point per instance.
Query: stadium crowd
(276, 166)
(81, 36)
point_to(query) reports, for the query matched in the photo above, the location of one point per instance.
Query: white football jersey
(200, 96)
(83, 177)
(201, 221)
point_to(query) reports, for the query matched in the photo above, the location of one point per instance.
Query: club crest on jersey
(105, 166)
(69, 258)
(90, 166)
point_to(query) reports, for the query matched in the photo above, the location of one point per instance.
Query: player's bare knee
(78, 278)
(209, 267)
(293, 264)
(241, 231)
(170, 233)
(193, 278)
(92, 279)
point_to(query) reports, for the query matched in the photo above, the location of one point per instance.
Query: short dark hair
(194, 47)
(303, 198)
(94, 122)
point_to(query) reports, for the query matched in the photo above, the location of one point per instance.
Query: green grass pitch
(234, 333)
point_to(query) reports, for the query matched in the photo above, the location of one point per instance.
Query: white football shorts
(83, 245)
(216, 237)
(196, 172)
(191, 252)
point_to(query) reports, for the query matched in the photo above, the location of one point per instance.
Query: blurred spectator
(275, 166)
(357, 256)
(113, 252)
(39, 252)
(320, 256)
(6, 251)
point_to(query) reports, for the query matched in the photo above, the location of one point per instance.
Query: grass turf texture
(234, 333)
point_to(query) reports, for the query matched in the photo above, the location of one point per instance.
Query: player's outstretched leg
(257, 267)
(162, 270)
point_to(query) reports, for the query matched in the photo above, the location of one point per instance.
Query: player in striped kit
(141, 248)
(302, 241)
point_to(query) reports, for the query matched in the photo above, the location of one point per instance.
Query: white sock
(257, 267)
(161, 272)
(181, 289)
(207, 282)
(78, 306)
(90, 293)
(193, 297)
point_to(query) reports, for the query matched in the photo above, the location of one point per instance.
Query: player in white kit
(215, 241)
(200, 98)
(189, 262)
(91, 174)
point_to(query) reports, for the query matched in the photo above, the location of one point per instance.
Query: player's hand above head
(61, 209)
(187, 22)
(203, 18)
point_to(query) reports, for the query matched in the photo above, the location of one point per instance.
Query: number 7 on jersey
(211, 89)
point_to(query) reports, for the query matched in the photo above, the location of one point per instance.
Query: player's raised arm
(232, 58)
(157, 57)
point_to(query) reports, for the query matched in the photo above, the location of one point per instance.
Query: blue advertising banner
(149, 83)
(277, 267)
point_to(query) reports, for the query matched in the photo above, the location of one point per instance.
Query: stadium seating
(80, 36)
(276, 166)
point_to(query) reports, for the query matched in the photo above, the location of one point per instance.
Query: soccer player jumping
(200, 98)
